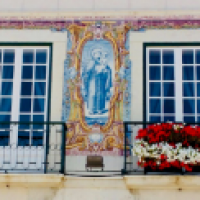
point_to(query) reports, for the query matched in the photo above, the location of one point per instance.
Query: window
(173, 85)
(24, 73)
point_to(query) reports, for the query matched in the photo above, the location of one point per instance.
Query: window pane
(41, 56)
(7, 88)
(4, 138)
(187, 56)
(26, 88)
(189, 119)
(37, 138)
(5, 104)
(189, 106)
(168, 57)
(25, 105)
(168, 89)
(40, 88)
(188, 89)
(169, 119)
(154, 57)
(9, 56)
(169, 106)
(23, 138)
(168, 73)
(27, 72)
(4, 118)
(40, 72)
(38, 118)
(38, 105)
(198, 72)
(24, 118)
(198, 89)
(154, 89)
(154, 106)
(197, 56)
(198, 106)
(28, 56)
(7, 72)
(155, 119)
(154, 73)
(188, 73)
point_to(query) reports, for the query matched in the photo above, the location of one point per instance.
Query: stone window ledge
(162, 182)
(31, 180)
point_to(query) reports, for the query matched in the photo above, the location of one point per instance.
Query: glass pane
(5, 104)
(188, 73)
(155, 119)
(187, 56)
(24, 118)
(7, 72)
(168, 57)
(4, 118)
(4, 138)
(28, 56)
(198, 106)
(154, 57)
(9, 56)
(197, 56)
(189, 106)
(169, 119)
(26, 88)
(154, 106)
(7, 88)
(41, 56)
(188, 89)
(189, 119)
(168, 89)
(198, 89)
(168, 73)
(169, 106)
(154, 73)
(25, 105)
(40, 73)
(37, 138)
(27, 72)
(23, 138)
(198, 72)
(38, 105)
(38, 118)
(40, 88)
(154, 89)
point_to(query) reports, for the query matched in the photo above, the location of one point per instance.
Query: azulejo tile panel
(96, 95)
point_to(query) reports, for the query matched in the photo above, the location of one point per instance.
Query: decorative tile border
(135, 24)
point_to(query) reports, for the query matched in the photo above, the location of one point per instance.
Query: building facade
(72, 73)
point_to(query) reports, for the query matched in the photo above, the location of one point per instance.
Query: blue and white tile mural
(97, 93)
(97, 72)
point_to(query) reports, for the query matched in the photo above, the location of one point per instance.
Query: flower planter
(168, 147)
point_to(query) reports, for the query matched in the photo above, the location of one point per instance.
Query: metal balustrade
(32, 147)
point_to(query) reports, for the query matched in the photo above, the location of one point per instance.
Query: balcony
(40, 148)
(32, 147)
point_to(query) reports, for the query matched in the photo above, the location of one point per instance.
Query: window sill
(31, 180)
(162, 182)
